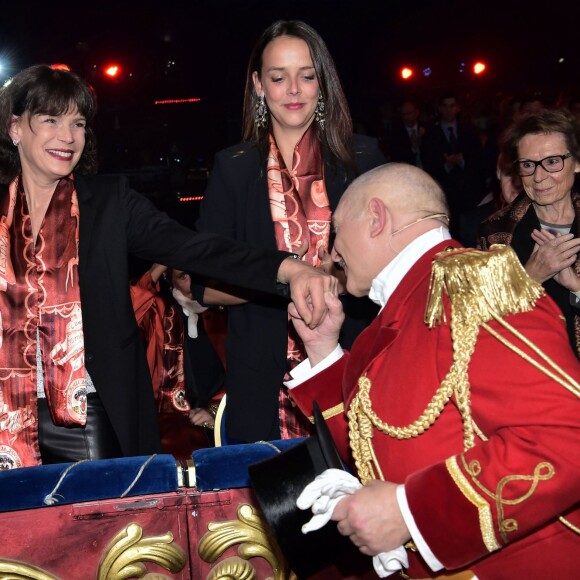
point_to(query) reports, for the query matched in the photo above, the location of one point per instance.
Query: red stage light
(406, 73)
(479, 67)
(113, 71)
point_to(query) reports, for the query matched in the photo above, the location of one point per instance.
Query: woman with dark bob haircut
(74, 378)
(41, 89)
(278, 189)
(542, 223)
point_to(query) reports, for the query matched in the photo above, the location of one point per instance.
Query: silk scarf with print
(162, 329)
(300, 210)
(39, 303)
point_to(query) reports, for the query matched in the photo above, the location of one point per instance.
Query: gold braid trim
(329, 413)
(483, 509)
(559, 375)
(360, 433)
(475, 282)
(569, 525)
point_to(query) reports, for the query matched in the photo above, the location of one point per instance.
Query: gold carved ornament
(123, 558)
(11, 570)
(252, 536)
(128, 549)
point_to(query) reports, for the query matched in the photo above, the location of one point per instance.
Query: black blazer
(236, 205)
(464, 187)
(399, 146)
(115, 222)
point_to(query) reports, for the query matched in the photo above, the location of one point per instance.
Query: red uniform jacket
(493, 509)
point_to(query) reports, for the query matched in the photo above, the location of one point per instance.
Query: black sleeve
(153, 236)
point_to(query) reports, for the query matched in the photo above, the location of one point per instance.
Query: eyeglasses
(551, 164)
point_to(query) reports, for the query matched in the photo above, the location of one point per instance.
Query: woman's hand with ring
(201, 418)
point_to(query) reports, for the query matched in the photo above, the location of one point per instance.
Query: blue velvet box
(227, 467)
(66, 483)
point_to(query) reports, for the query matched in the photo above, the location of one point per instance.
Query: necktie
(414, 139)
(415, 146)
(452, 140)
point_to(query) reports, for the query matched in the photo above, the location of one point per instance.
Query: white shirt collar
(390, 277)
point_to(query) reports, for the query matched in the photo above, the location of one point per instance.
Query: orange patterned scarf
(300, 209)
(39, 302)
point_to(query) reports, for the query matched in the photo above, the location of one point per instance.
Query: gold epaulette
(481, 285)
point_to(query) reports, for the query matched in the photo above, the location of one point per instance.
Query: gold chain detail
(419, 425)
(362, 417)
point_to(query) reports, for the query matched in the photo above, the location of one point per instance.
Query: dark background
(176, 50)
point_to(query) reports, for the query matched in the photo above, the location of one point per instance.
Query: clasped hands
(321, 340)
(309, 286)
(554, 256)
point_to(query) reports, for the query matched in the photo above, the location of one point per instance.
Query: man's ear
(379, 216)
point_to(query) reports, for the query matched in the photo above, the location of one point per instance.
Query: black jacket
(115, 222)
(236, 205)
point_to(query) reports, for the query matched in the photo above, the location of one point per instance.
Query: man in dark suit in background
(451, 153)
(404, 140)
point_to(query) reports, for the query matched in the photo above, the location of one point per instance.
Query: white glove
(322, 495)
(191, 309)
(387, 563)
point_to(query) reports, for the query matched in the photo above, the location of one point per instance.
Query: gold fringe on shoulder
(481, 285)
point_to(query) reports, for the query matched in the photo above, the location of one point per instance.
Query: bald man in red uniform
(460, 400)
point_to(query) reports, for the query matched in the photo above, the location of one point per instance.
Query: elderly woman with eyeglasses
(542, 223)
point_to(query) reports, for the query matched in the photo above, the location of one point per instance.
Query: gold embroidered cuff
(485, 517)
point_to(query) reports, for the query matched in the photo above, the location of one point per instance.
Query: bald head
(405, 189)
(381, 213)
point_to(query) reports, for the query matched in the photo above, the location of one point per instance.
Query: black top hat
(279, 480)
